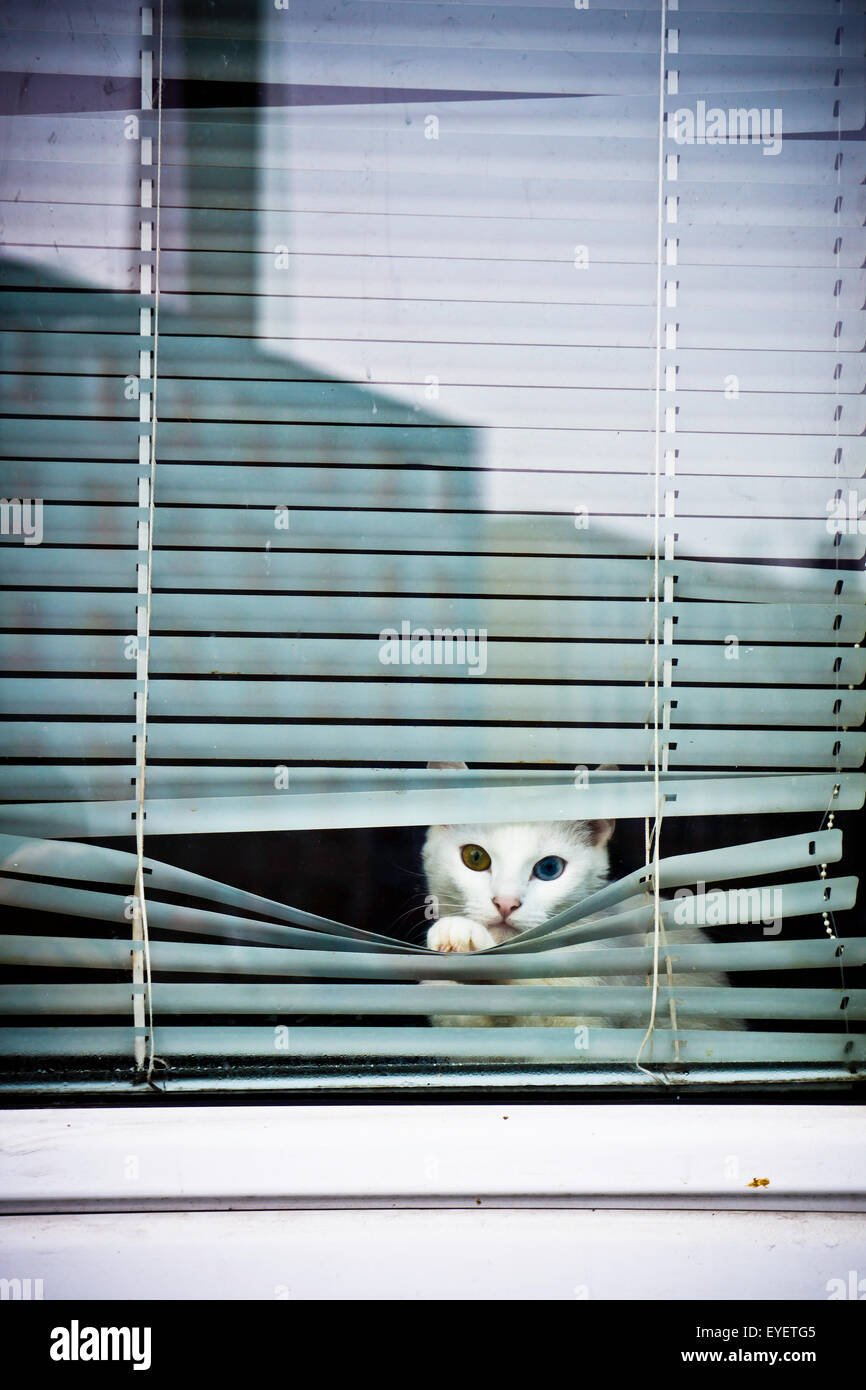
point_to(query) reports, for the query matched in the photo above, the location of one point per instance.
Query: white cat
(490, 882)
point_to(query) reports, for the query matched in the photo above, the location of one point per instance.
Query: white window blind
(329, 329)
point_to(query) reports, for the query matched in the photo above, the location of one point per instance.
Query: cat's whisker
(404, 916)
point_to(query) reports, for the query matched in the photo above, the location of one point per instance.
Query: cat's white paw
(459, 934)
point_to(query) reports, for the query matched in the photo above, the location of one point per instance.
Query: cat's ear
(600, 831)
(458, 767)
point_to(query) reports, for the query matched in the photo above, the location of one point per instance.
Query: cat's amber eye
(474, 857)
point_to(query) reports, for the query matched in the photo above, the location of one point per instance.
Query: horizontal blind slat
(601, 1001)
(109, 907)
(525, 1044)
(347, 742)
(266, 808)
(31, 399)
(186, 957)
(620, 578)
(390, 654)
(621, 619)
(115, 15)
(601, 704)
(265, 532)
(384, 365)
(463, 446)
(44, 223)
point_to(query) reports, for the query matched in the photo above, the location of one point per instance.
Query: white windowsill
(662, 1156)
(328, 1202)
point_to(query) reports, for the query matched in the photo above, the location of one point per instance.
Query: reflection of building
(242, 437)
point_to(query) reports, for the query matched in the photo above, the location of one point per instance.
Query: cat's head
(516, 875)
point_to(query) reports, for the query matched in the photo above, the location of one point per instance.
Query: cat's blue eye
(549, 867)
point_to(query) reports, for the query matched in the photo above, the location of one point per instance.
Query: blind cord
(829, 815)
(140, 925)
(653, 839)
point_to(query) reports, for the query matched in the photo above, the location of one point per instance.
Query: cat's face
(515, 876)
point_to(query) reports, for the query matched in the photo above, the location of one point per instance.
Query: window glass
(432, 546)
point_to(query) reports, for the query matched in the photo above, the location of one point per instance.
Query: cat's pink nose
(506, 906)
